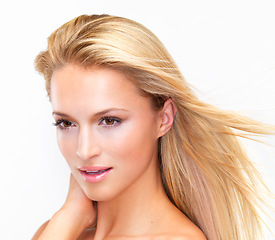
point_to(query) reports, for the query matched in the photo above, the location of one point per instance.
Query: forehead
(74, 86)
(94, 77)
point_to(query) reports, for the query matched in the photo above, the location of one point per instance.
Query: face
(107, 132)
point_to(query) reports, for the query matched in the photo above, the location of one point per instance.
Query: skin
(104, 121)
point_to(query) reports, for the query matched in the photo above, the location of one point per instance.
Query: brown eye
(109, 121)
(67, 124)
(64, 124)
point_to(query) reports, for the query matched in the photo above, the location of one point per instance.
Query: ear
(167, 115)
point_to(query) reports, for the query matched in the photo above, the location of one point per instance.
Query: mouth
(95, 174)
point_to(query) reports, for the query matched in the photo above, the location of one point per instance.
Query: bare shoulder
(161, 237)
(179, 227)
(182, 237)
(193, 236)
(188, 231)
(185, 236)
(40, 230)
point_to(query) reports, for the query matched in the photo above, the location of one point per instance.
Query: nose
(87, 145)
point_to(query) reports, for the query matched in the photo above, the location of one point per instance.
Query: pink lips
(94, 174)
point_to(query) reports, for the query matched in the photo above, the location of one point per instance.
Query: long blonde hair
(205, 171)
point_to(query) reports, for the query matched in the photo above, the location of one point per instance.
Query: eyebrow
(96, 114)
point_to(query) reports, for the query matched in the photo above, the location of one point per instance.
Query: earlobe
(168, 113)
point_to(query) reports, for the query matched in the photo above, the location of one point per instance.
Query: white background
(225, 49)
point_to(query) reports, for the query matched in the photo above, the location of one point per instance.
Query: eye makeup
(63, 124)
(106, 121)
(110, 121)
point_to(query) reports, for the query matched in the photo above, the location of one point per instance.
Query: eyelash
(60, 123)
(110, 118)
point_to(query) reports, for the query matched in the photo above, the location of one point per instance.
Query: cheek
(67, 144)
(136, 143)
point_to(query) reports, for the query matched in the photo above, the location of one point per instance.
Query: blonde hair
(205, 171)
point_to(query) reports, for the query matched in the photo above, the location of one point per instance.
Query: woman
(149, 160)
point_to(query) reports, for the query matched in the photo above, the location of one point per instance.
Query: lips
(94, 174)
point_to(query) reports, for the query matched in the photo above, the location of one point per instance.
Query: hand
(77, 214)
(79, 205)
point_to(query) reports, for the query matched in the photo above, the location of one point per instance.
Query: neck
(136, 211)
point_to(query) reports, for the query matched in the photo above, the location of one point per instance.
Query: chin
(99, 194)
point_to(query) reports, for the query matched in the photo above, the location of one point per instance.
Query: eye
(63, 124)
(110, 121)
